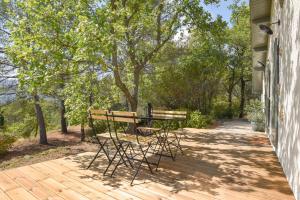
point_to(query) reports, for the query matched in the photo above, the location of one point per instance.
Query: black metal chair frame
(180, 117)
(119, 146)
(129, 145)
(102, 116)
(162, 141)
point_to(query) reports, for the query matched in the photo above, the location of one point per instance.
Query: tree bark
(40, 120)
(139, 64)
(230, 89)
(116, 69)
(230, 99)
(63, 121)
(82, 132)
(242, 101)
(135, 96)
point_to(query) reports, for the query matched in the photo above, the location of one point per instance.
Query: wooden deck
(229, 162)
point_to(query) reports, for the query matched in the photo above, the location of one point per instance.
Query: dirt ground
(29, 151)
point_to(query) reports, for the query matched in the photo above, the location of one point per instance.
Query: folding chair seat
(103, 135)
(143, 140)
(141, 128)
(156, 132)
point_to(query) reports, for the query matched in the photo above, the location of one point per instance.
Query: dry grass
(29, 151)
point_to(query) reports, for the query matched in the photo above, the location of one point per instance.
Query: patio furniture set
(133, 140)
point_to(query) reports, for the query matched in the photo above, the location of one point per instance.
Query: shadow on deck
(222, 163)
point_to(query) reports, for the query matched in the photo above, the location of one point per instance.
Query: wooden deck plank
(20, 194)
(138, 192)
(3, 196)
(218, 164)
(6, 183)
(71, 183)
(35, 175)
(124, 193)
(110, 191)
(134, 191)
(55, 197)
(27, 182)
(61, 190)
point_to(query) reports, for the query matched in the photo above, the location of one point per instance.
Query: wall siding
(288, 149)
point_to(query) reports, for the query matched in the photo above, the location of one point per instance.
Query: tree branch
(163, 42)
(4, 31)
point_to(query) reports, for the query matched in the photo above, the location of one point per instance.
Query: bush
(255, 112)
(20, 117)
(23, 128)
(5, 143)
(197, 120)
(221, 111)
(172, 125)
(99, 126)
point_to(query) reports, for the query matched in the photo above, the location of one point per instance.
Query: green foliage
(6, 142)
(197, 120)
(86, 91)
(21, 119)
(221, 109)
(100, 126)
(255, 111)
(114, 55)
(172, 125)
(189, 76)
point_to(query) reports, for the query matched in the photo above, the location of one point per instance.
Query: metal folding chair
(134, 146)
(178, 116)
(101, 140)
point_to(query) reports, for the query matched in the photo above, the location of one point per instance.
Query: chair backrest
(169, 114)
(121, 119)
(99, 114)
(123, 116)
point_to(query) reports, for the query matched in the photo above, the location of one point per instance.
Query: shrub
(197, 120)
(5, 143)
(255, 111)
(23, 128)
(20, 117)
(99, 126)
(172, 125)
(221, 111)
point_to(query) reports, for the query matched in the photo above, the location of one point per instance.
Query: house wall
(287, 145)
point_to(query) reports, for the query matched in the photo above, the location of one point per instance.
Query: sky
(221, 9)
(215, 10)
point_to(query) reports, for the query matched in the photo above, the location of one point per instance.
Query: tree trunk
(82, 132)
(63, 121)
(135, 96)
(40, 120)
(230, 89)
(230, 99)
(242, 100)
(132, 99)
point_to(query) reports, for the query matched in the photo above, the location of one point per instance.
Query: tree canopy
(124, 53)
